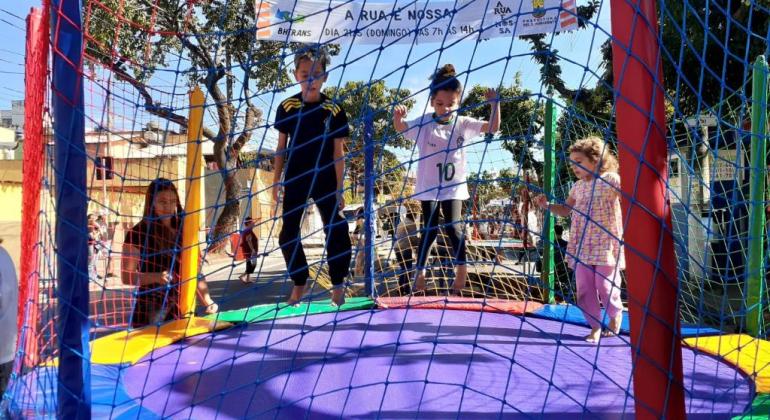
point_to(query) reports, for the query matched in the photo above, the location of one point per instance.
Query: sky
(487, 61)
(12, 49)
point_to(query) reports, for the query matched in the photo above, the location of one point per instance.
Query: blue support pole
(74, 374)
(369, 179)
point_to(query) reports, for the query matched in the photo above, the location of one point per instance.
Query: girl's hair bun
(445, 78)
(444, 72)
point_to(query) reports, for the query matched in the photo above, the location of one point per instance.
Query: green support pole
(755, 274)
(548, 273)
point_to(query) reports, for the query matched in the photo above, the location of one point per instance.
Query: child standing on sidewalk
(249, 248)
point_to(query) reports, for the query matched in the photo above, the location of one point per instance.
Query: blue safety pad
(571, 314)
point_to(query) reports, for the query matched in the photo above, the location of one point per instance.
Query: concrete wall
(10, 190)
(7, 135)
(258, 203)
(120, 198)
(10, 196)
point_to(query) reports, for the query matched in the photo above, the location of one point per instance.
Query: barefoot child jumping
(594, 250)
(441, 175)
(309, 163)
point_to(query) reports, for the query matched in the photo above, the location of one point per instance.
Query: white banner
(729, 166)
(409, 21)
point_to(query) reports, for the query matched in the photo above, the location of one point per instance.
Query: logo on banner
(286, 16)
(568, 14)
(538, 8)
(501, 9)
(264, 14)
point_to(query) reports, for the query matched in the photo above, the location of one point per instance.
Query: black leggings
(295, 199)
(452, 210)
(250, 266)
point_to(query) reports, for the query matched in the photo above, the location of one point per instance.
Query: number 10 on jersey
(446, 171)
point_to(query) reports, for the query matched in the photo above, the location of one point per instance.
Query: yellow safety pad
(130, 346)
(750, 355)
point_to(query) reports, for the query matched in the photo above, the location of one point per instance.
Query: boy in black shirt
(315, 129)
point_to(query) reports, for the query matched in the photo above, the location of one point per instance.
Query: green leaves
(708, 50)
(521, 119)
(357, 99)
(486, 187)
(126, 33)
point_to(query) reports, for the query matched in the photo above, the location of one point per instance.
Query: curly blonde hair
(597, 150)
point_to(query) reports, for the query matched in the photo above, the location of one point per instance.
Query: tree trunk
(227, 222)
(227, 160)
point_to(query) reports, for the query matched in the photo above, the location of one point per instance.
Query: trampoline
(399, 363)
(106, 122)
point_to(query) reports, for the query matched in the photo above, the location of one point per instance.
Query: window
(673, 167)
(103, 167)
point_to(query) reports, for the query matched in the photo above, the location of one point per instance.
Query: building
(709, 192)
(120, 165)
(13, 118)
(9, 148)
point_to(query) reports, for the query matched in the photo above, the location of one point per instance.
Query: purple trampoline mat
(408, 364)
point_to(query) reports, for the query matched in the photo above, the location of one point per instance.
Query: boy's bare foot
(296, 295)
(245, 278)
(594, 336)
(212, 308)
(461, 274)
(419, 283)
(338, 296)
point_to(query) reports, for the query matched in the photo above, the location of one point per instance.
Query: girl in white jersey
(441, 175)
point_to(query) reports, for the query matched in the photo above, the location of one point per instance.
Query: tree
(708, 50)
(587, 110)
(521, 119)
(591, 115)
(706, 63)
(216, 41)
(548, 58)
(357, 98)
(506, 181)
(484, 188)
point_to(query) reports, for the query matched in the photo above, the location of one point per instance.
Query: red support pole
(35, 66)
(651, 266)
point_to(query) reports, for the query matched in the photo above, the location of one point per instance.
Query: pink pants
(598, 283)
